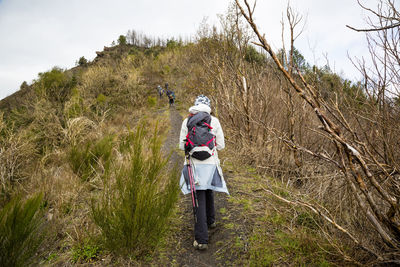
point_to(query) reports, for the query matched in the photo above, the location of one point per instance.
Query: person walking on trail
(171, 96)
(160, 91)
(201, 137)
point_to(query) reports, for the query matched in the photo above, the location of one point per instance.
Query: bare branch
(375, 29)
(326, 218)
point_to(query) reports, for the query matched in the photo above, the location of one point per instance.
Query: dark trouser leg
(200, 228)
(210, 211)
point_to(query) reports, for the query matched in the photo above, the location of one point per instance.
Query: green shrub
(82, 61)
(74, 107)
(85, 253)
(151, 101)
(122, 40)
(172, 44)
(85, 160)
(166, 69)
(101, 99)
(54, 85)
(21, 231)
(253, 56)
(133, 212)
(102, 102)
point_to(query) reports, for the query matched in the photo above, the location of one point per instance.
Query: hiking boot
(213, 225)
(199, 246)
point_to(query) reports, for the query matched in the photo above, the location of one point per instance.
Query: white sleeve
(219, 135)
(182, 136)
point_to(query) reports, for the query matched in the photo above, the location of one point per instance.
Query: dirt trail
(184, 254)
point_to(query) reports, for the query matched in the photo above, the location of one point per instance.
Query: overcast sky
(38, 35)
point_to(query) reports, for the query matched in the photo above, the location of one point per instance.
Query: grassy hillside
(87, 154)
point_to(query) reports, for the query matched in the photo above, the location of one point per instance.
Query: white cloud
(37, 35)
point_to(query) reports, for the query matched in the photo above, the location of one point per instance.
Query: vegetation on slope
(78, 137)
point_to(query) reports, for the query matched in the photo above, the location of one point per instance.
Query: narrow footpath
(183, 253)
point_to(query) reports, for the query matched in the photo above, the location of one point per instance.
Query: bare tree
(387, 20)
(294, 19)
(374, 182)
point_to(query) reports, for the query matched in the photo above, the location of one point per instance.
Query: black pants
(205, 215)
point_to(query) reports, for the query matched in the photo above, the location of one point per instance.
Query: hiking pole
(195, 202)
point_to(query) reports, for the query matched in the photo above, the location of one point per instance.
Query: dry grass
(16, 154)
(78, 129)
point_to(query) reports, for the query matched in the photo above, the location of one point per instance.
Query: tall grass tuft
(21, 231)
(85, 160)
(134, 211)
(16, 155)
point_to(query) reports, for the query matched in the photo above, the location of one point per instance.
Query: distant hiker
(160, 90)
(166, 86)
(201, 136)
(171, 96)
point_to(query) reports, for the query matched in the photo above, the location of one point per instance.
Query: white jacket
(208, 173)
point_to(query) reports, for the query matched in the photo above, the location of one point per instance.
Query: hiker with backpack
(171, 97)
(160, 90)
(201, 137)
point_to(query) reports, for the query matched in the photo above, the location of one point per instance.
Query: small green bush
(101, 99)
(166, 69)
(172, 44)
(21, 231)
(253, 56)
(74, 107)
(151, 101)
(86, 160)
(85, 253)
(122, 40)
(54, 85)
(133, 212)
(82, 61)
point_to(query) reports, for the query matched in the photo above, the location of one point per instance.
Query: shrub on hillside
(46, 129)
(122, 40)
(133, 213)
(74, 107)
(171, 44)
(151, 101)
(253, 56)
(55, 85)
(97, 80)
(86, 252)
(78, 129)
(82, 61)
(24, 86)
(21, 231)
(86, 160)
